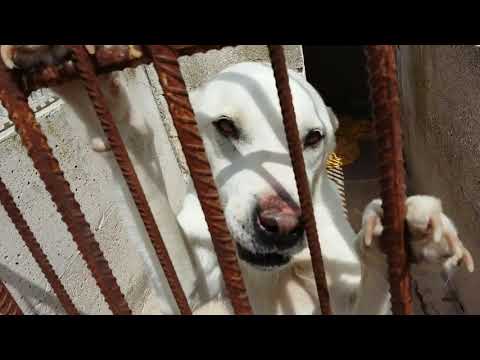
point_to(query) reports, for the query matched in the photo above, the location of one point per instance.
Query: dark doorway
(339, 74)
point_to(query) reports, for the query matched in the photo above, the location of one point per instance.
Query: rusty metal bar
(8, 305)
(295, 147)
(106, 61)
(32, 244)
(16, 104)
(165, 60)
(386, 107)
(86, 72)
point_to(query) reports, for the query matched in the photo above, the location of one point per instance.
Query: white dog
(239, 117)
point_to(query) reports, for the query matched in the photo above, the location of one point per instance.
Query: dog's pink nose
(278, 216)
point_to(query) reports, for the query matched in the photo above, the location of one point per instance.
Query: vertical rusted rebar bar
(387, 115)
(86, 72)
(165, 60)
(295, 147)
(8, 305)
(32, 244)
(16, 104)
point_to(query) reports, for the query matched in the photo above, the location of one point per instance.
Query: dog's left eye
(227, 128)
(313, 138)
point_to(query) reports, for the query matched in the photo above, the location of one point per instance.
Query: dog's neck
(264, 284)
(286, 290)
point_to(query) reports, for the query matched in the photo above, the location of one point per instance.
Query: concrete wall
(440, 87)
(91, 175)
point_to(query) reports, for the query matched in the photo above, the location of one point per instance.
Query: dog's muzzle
(278, 233)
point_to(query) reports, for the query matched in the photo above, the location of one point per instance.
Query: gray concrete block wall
(90, 175)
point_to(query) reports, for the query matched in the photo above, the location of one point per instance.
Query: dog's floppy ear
(333, 118)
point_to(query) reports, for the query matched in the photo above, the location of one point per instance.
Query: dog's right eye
(227, 128)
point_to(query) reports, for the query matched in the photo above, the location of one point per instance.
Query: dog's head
(239, 116)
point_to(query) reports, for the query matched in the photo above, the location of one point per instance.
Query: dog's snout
(279, 222)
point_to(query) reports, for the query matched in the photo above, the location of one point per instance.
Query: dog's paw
(28, 57)
(434, 239)
(372, 227)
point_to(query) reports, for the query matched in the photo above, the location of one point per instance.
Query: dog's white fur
(258, 164)
(356, 274)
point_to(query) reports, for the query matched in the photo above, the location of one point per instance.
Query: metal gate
(15, 86)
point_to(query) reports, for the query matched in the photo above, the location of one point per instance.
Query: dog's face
(239, 116)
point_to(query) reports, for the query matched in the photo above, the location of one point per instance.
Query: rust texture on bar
(165, 60)
(15, 102)
(106, 61)
(8, 305)
(386, 108)
(32, 244)
(86, 71)
(296, 153)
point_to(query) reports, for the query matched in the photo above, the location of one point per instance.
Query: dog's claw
(6, 52)
(90, 49)
(372, 223)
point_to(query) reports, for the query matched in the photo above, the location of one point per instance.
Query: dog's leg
(373, 296)
(434, 243)
(209, 286)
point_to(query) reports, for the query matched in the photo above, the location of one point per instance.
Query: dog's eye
(227, 128)
(313, 138)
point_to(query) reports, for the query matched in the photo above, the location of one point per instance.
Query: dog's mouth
(267, 261)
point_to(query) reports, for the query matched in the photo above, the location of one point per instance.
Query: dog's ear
(333, 118)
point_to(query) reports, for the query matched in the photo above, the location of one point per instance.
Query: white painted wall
(90, 175)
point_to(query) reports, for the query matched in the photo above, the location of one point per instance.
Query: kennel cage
(81, 62)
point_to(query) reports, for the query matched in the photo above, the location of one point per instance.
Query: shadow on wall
(31, 293)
